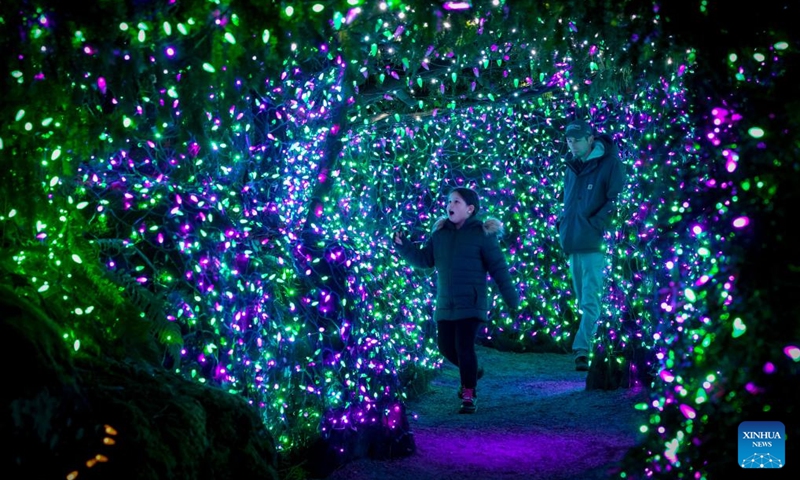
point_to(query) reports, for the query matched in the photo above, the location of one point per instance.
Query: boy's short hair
(470, 197)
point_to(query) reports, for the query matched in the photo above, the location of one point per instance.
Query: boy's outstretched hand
(398, 238)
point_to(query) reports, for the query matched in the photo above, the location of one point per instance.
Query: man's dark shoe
(582, 364)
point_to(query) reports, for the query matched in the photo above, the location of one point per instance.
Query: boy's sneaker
(582, 363)
(468, 401)
(461, 392)
(475, 392)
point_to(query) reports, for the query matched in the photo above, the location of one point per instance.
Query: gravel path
(535, 420)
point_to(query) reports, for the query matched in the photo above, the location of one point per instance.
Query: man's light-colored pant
(587, 280)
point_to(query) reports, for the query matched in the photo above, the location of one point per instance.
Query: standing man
(594, 178)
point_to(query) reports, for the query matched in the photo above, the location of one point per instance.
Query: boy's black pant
(456, 339)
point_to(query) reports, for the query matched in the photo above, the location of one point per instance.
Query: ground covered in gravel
(535, 420)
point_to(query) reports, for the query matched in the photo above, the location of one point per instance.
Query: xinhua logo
(762, 445)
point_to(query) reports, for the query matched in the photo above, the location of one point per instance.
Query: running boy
(463, 249)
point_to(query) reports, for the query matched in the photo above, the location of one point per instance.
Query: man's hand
(398, 238)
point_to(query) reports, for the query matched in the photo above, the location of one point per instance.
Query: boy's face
(457, 208)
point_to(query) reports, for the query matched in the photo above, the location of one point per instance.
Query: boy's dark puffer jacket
(462, 258)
